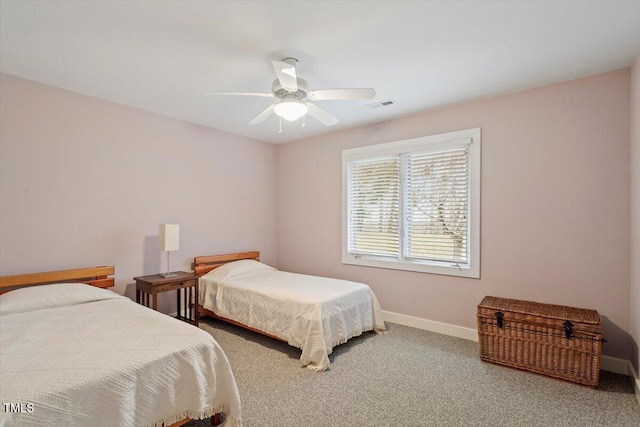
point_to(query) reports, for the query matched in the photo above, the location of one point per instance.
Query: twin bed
(312, 313)
(73, 354)
(76, 354)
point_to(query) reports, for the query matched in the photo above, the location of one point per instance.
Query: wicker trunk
(558, 341)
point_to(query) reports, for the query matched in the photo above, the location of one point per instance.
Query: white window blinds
(374, 207)
(437, 206)
(414, 204)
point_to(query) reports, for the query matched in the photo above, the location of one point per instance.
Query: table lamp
(169, 240)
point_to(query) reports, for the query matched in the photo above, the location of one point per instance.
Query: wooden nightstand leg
(189, 313)
(138, 296)
(155, 300)
(195, 304)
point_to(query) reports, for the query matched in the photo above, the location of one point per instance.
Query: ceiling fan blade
(338, 94)
(264, 94)
(320, 115)
(286, 75)
(262, 116)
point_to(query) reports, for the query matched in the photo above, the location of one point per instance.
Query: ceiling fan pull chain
(280, 120)
(304, 121)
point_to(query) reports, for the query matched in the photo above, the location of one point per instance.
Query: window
(414, 204)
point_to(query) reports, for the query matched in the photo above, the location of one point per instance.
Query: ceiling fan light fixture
(291, 110)
(291, 92)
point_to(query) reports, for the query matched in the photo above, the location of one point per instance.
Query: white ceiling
(159, 55)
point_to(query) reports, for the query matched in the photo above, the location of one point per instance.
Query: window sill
(469, 272)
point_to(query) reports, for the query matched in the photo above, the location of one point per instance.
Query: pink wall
(555, 205)
(86, 182)
(635, 213)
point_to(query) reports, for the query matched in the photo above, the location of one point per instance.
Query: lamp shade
(169, 238)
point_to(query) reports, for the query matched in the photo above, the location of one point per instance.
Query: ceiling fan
(292, 96)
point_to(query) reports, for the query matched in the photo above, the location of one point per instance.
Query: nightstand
(186, 286)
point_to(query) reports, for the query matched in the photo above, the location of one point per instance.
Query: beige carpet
(408, 377)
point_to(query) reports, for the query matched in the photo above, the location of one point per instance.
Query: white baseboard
(431, 325)
(615, 365)
(635, 380)
(611, 364)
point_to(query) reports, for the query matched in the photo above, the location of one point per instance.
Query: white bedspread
(309, 312)
(107, 361)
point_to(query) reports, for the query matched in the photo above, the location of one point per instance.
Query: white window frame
(468, 136)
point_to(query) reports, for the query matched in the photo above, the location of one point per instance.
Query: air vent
(386, 103)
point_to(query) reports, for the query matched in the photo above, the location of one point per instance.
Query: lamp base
(167, 275)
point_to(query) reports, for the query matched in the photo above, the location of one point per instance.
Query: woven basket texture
(533, 336)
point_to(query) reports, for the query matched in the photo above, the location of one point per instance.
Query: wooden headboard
(204, 264)
(95, 276)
